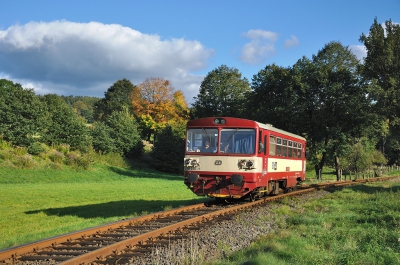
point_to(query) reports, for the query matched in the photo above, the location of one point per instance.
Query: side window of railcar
(299, 150)
(272, 145)
(290, 148)
(278, 146)
(294, 149)
(284, 147)
(202, 140)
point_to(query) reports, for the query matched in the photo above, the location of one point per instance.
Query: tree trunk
(337, 167)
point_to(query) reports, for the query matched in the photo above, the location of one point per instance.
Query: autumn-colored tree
(155, 105)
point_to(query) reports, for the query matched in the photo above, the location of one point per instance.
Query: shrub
(36, 148)
(6, 154)
(25, 161)
(56, 157)
(72, 158)
(20, 151)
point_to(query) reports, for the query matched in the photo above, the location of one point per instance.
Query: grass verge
(355, 225)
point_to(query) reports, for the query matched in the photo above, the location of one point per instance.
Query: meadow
(40, 203)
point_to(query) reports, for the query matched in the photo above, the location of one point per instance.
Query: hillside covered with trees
(346, 109)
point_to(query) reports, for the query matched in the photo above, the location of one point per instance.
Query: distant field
(39, 203)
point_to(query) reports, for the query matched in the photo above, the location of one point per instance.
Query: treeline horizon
(346, 109)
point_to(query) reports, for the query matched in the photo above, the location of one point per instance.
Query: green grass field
(358, 224)
(39, 203)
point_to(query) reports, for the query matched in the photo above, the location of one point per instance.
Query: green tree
(382, 72)
(125, 134)
(102, 138)
(222, 93)
(272, 99)
(117, 98)
(169, 148)
(83, 105)
(62, 124)
(21, 114)
(342, 106)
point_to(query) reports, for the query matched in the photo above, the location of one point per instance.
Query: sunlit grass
(36, 204)
(356, 225)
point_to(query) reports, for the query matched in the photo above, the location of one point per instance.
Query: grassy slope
(38, 203)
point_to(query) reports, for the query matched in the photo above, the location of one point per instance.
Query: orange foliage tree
(156, 104)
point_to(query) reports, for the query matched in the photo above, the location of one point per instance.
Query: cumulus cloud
(293, 41)
(260, 48)
(71, 58)
(360, 51)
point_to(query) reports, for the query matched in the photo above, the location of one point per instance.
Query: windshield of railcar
(202, 140)
(238, 141)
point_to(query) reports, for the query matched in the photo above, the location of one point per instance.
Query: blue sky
(83, 47)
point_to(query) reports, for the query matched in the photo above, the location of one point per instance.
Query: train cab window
(202, 140)
(290, 148)
(238, 141)
(284, 147)
(278, 146)
(272, 145)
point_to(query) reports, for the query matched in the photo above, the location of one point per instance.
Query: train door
(262, 151)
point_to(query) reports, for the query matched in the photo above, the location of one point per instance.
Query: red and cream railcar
(234, 158)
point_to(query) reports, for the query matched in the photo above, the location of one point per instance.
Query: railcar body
(244, 158)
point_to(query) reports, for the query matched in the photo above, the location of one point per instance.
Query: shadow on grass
(365, 188)
(115, 209)
(145, 174)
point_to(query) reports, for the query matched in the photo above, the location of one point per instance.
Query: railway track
(123, 241)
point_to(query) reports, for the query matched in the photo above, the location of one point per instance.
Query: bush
(168, 151)
(20, 151)
(36, 148)
(25, 161)
(56, 157)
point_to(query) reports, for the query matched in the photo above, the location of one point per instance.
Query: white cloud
(71, 58)
(360, 51)
(293, 41)
(260, 48)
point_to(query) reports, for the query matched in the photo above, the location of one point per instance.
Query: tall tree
(339, 104)
(21, 114)
(156, 104)
(382, 71)
(222, 93)
(272, 99)
(63, 125)
(117, 98)
(124, 133)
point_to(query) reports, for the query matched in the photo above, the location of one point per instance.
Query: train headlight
(187, 162)
(249, 164)
(219, 121)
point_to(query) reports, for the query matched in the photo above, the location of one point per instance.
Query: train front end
(221, 158)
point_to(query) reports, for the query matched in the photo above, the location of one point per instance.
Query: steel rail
(14, 252)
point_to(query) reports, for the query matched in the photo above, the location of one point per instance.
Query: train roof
(272, 128)
(248, 123)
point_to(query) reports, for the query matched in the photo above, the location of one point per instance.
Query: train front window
(238, 141)
(202, 140)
